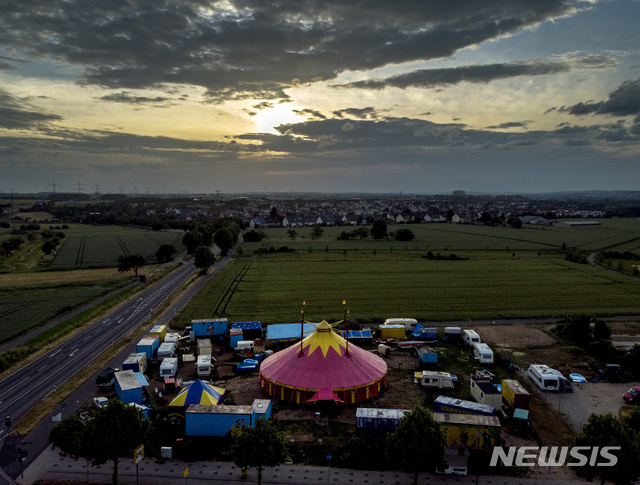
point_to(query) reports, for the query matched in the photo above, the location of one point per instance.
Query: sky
(380, 96)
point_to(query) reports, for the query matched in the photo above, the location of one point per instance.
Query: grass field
(29, 306)
(96, 246)
(376, 289)
(613, 234)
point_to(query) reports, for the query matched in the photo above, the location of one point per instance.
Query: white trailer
(169, 367)
(549, 379)
(408, 323)
(471, 337)
(433, 379)
(204, 365)
(166, 349)
(483, 353)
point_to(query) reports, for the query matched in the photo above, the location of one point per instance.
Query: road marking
(43, 367)
(56, 352)
(16, 385)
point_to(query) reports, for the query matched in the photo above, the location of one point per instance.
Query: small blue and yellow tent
(199, 393)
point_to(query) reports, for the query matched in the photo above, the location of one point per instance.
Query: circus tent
(323, 367)
(199, 393)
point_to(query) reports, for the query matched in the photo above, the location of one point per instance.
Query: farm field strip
(458, 237)
(30, 307)
(95, 247)
(427, 290)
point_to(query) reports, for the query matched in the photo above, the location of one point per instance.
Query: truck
(515, 395)
(482, 353)
(452, 332)
(445, 404)
(434, 379)
(549, 379)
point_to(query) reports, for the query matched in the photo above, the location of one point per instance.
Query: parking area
(586, 399)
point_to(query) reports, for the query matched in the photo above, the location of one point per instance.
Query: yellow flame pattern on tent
(324, 338)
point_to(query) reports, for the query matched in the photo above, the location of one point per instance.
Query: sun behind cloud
(273, 115)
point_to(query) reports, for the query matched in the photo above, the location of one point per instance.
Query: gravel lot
(588, 398)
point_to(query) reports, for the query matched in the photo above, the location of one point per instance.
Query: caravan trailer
(470, 337)
(549, 379)
(408, 323)
(483, 353)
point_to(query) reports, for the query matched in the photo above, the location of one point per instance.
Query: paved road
(51, 465)
(25, 387)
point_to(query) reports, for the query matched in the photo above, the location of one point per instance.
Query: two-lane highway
(24, 388)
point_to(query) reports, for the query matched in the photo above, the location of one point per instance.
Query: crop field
(89, 246)
(273, 291)
(614, 234)
(26, 307)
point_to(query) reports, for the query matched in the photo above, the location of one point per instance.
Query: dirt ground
(515, 336)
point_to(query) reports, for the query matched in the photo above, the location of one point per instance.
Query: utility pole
(80, 187)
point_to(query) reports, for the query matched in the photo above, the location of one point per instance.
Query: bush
(254, 236)
(404, 235)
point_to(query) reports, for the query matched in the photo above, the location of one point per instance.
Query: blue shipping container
(209, 328)
(444, 404)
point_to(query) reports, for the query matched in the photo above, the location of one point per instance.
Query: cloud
(428, 78)
(125, 97)
(311, 113)
(360, 113)
(241, 49)
(18, 114)
(509, 124)
(623, 101)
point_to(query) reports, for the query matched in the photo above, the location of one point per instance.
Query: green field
(376, 289)
(614, 234)
(509, 273)
(27, 307)
(98, 246)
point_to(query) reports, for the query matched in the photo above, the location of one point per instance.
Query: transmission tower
(97, 189)
(54, 185)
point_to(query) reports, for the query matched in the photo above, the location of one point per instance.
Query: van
(245, 345)
(549, 379)
(470, 337)
(483, 353)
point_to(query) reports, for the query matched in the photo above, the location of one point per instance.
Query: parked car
(100, 402)
(632, 396)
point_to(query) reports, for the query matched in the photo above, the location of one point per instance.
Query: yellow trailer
(392, 331)
(160, 331)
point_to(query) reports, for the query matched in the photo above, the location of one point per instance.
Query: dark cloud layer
(19, 114)
(472, 74)
(255, 48)
(624, 101)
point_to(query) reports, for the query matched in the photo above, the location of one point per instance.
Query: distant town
(303, 209)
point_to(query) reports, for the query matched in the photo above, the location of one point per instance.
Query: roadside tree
(259, 446)
(418, 445)
(608, 430)
(131, 262)
(165, 253)
(204, 258)
(116, 431)
(293, 234)
(224, 240)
